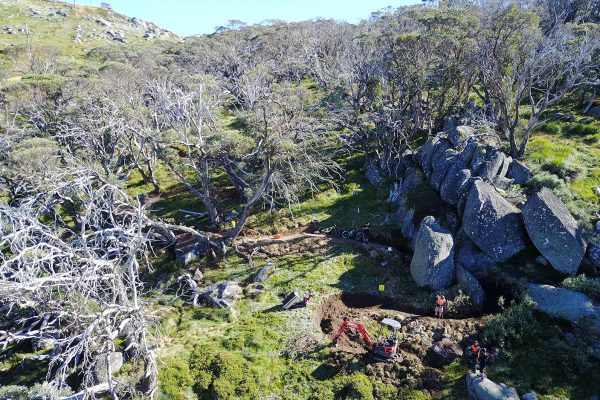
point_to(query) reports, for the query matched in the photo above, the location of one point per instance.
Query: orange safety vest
(475, 349)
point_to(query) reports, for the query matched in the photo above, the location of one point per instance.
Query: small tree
(523, 67)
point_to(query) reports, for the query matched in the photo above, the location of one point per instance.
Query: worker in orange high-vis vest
(440, 304)
(474, 353)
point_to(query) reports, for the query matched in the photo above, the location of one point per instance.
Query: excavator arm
(359, 327)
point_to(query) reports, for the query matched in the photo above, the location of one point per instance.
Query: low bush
(513, 327)
(175, 378)
(356, 387)
(545, 179)
(14, 392)
(581, 283)
(567, 169)
(551, 128)
(577, 129)
(591, 139)
(222, 375)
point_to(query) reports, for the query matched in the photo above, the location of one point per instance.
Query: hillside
(58, 31)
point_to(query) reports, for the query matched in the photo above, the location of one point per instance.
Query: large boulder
(470, 285)
(432, 264)
(473, 259)
(374, 174)
(456, 183)
(438, 152)
(481, 388)
(494, 161)
(519, 172)
(440, 167)
(553, 231)
(426, 153)
(564, 303)
(593, 254)
(467, 153)
(478, 158)
(493, 223)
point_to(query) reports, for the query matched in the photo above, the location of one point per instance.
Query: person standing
(440, 304)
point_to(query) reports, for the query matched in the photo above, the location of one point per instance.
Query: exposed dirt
(417, 366)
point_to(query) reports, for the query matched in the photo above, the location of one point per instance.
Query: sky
(191, 17)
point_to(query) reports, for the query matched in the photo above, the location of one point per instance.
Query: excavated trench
(368, 309)
(417, 366)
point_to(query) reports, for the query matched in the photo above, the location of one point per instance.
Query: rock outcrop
(480, 388)
(553, 231)
(493, 223)
(564, 303)
(432, 264)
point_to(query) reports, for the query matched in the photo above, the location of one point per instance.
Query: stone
(439, 150)
(450, 123)
(482, 388)
(265, 272)
(529, 396)
(564, 303)
(456, 183)
(493, 223)
(426, 153)
(459, 135)
(593, 254)
(443, 352)
(222, 294)
(553, 231)
(471, 258)
(594, 112)
(490, 168)
(188, 248)
(501, 183)
(440, 167)
(374, 175)
(466, 154)
(506, 162)
(478, 158)
(198, 276)
(99, 368)
(432, 264)
(519, 172)
(470, 285)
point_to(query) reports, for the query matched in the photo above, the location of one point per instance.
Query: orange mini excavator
(384, 348)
